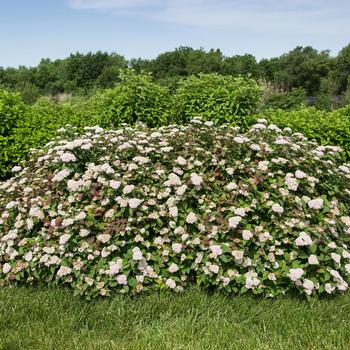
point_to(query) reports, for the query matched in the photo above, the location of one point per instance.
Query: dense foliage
(33, 127)
(11, 111)
(76, 74)
(136, 98)
(218, 98)
(319, 74)
(294, 99)
(141, 98)
(139, 209)
(328, 128)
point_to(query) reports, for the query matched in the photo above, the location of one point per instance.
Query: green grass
(53, 319)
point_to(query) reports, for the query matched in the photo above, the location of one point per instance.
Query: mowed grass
(54, 319)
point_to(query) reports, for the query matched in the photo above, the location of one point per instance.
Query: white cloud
(282, 16)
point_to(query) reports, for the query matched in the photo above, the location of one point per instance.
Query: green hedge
(34, 127)
(328, 128)
(222, 99)
(12, 109)
(138, 98)
(214, 97)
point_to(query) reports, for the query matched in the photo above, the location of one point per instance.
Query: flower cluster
(139, 209)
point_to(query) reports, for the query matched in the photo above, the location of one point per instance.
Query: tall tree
(302, 67)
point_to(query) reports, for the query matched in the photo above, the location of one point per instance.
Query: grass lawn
(54, 319)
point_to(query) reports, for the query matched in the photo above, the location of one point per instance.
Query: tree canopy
(315, 71)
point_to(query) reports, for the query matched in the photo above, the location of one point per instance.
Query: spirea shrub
(139, 209)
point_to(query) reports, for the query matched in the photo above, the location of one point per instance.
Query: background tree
(324, 77)
(341, 71)
(302, 67)
(245, 64)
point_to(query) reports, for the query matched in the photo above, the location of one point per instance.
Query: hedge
(328, 128)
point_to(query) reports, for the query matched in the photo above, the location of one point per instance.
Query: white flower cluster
(137, 209)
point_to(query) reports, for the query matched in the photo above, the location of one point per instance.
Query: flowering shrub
(139, 209)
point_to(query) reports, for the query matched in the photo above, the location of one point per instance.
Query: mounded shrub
(12, 109)
(139, 209)
(218, 98)
(137, 98)
(328, 128)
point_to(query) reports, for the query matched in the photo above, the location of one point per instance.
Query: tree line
(317, 72)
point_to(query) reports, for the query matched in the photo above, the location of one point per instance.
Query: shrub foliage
(140, 209)
(291, 100)
(136, 99)
(328, 128)
(12, 110)
(221, 99)
(33, 127)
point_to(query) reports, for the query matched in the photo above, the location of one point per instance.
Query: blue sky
(33, 29)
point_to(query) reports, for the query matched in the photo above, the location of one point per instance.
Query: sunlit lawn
(54, 319)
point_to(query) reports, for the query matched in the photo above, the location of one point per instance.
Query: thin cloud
(283, 16)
